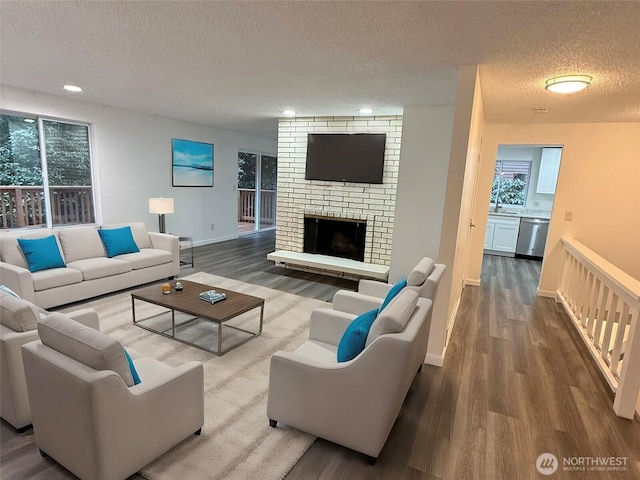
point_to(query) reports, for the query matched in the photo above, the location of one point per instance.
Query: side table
(186, 252)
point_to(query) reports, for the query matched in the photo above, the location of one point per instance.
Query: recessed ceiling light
(72, 88)
(568, 83)
(365, 111)
(289, 113)
(29, 120)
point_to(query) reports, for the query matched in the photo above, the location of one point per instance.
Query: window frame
(40, 119)
(527, 183)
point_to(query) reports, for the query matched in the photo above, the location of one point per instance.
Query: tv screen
(345, 157)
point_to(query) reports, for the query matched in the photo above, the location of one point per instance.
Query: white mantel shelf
(329, 263)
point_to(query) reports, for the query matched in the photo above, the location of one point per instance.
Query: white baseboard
(435, 360)
(472, 281)
(209, 241)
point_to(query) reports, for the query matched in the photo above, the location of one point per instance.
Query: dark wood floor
(517, 382)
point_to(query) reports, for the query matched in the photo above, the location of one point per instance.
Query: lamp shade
(161, 205)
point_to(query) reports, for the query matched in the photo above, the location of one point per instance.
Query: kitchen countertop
(506, 212)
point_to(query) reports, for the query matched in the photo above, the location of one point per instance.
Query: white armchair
(353, 403)
(89, 416)
(18, 325)
(423, 279)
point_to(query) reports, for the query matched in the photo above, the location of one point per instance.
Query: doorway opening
(521, 200)
(257, 180)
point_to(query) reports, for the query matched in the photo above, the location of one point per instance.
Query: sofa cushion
(139, 231)
(18, 314)
(79, 243)
(56, 277)
(392, 293)
(420, 272)
(92, 268)
(355, 336)
(41, 253)
(10, 250)
(394, 318)
(118, 241)
(147, 257)
(85, 345)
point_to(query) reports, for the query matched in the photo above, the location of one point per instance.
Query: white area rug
(236, 441)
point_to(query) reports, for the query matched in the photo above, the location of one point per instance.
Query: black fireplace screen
(338, 238)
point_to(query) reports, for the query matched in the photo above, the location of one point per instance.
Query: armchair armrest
(373, 288)
(86, 316)
(166, 409)
(354, 302)
(328, 326)
(19, 280)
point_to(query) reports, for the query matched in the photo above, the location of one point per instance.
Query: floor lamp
(161, 206)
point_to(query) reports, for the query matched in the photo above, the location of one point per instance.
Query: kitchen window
(511, 182)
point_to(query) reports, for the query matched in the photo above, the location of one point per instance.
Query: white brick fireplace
(370, 203)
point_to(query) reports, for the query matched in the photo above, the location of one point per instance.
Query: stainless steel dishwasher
(532, 237)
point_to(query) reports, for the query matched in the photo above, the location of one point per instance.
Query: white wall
(132, 156)
(598, 183)
(435, 194)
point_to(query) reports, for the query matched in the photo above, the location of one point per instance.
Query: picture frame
(191, 163)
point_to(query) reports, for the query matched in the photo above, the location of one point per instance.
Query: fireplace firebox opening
(336, 237)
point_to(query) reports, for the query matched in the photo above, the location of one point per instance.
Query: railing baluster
(603, 302)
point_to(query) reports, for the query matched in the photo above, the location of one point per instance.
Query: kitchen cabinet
(549, 168)
(502, 234)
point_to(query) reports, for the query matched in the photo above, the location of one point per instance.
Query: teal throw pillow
(118, 241)
(392, 293)
(41, 253)
(355, 336)
(132, 368)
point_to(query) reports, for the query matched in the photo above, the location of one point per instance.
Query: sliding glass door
(257, 178)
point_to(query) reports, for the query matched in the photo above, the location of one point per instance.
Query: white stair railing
(604, 303)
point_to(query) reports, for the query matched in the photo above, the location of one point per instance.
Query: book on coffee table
(212, 296)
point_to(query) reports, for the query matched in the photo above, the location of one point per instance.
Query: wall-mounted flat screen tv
(345, 157)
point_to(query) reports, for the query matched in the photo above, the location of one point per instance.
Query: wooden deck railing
(25, 206)
(604, 303)
(247, 206)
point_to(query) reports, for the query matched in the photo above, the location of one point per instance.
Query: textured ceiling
(237, 65)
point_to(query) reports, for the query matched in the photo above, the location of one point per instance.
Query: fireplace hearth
(336, 237)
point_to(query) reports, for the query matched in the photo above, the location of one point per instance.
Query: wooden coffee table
(197, 310)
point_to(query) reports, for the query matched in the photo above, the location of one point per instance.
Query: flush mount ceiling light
(568, 83)
(365, 111)
(289, 113)
(72, 88)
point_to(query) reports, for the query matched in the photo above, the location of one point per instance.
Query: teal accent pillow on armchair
(355, 336)
(392, 293)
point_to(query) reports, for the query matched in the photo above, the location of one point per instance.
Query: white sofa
(88, 272)
(18, 325)
(88, 413)
(424, 279)
(353, 403)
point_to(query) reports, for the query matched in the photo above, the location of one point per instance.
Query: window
(51, 187)
(510, 182)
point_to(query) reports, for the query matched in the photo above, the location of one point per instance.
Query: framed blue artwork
(192, 163)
